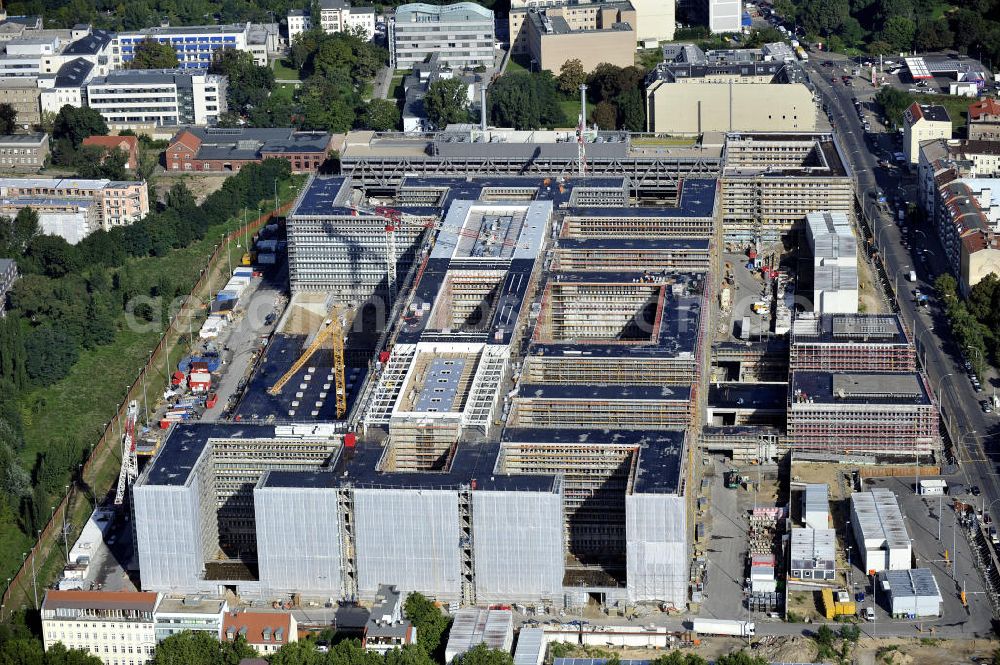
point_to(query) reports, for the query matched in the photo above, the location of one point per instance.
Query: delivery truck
(723, 627)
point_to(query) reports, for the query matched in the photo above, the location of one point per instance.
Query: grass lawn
(648, 58)
(77, 408)
(396, 90)
(957, 107)
(663, 141)
(283, 70)
(517, 63)
(571, 109)
(283, 90)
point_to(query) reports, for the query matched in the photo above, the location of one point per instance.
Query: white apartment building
(335, 16)
(158, 97)
(66, 87)
(923, 122)
(195, 613)
(460, 34)
(115, 626)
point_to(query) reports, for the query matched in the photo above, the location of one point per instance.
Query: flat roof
(324, 196)
(100, 600)
(608, 393)
(907, 583)
(768, 396)
(848, 329)
(22, 139)
(185, 443)
(471, 461)
(312, 479)
(859, 388)
(696, 199)
(191, 605)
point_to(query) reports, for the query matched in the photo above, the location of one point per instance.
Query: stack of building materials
(837, 604)
(879, 530)
(762, 578)
(816, 506)
(912, 593)
(473, 626)
(212, 327)
(813, 554)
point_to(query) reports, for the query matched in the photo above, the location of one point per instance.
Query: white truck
(723, 627)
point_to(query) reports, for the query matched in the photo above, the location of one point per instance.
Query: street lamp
(940, 384)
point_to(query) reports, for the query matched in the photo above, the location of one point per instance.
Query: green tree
(483, 655)
(151, 54)
(606, 115)
(996, 657)
(75, 124)
(428, 620)
(8, 119)
(823, 17)
(411, 654)
(248, 84)
(741, 657)
(893, 102)
(899, 32)
(303, 652)
(631, 110)
(678, 658)
(571, 76)
(188, 648)
(447, 102)
(526, 101)
(50, 355)
(93, 161)
(382, 115)
(933, 36)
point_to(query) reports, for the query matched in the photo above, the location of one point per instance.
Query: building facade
(127, 144)
(923, 122)
(195, 46)
(227, 150)
(8, 275)
(197, 614)
(158, 97)
(335, 16)
(590, 33)
(23, 152)
(460, 34)
(115, 626)
(654, 20)
(24, 95)
(264, 631)
(744, 90)
(984, 120)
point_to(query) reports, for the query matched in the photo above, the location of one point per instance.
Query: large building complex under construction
(524, 432)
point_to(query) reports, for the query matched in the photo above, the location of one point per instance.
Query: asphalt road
(973, 432)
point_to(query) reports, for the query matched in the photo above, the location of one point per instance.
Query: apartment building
(335, 16)
(959, 191)
(591, 33)
(386, 628)
(23, 56)
(158, 97)
(264, 631)
(200, 614)
(8, 275)
(23, 94)
(460, 34)
(94, 46)
(93, 204)
(923, 122)
(654, 19)
(984, 120)
(67, 87)
(23, 152)
(115, 626)
(694, 91)
(194, 45)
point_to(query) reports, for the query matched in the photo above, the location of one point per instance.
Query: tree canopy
(447, 102)
(8, 119)
(427, 619)
(525, 101)
(75, 124)
(151, 54)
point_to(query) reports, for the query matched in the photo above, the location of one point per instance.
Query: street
(970, 430)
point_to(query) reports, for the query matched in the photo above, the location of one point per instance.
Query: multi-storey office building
(117, 627)
(888, 413)
(200, 614)
(653, 19)
(772, 181)
(848, 343)
(158, 97)
(460, 34)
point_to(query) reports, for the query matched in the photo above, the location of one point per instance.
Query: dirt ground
(870, 301)
(200, 185)
(799, 649)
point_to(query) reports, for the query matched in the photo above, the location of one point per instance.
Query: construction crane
(130, 463)
(332, 332)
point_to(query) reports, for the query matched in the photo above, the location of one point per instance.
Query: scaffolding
(632, 223)
(620, 370)
(608, 312)
(696, 258)
(580, 412)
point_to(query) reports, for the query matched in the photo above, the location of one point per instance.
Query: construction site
(493, 388)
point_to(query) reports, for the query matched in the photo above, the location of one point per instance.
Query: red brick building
(218, 149)
(127, 144)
